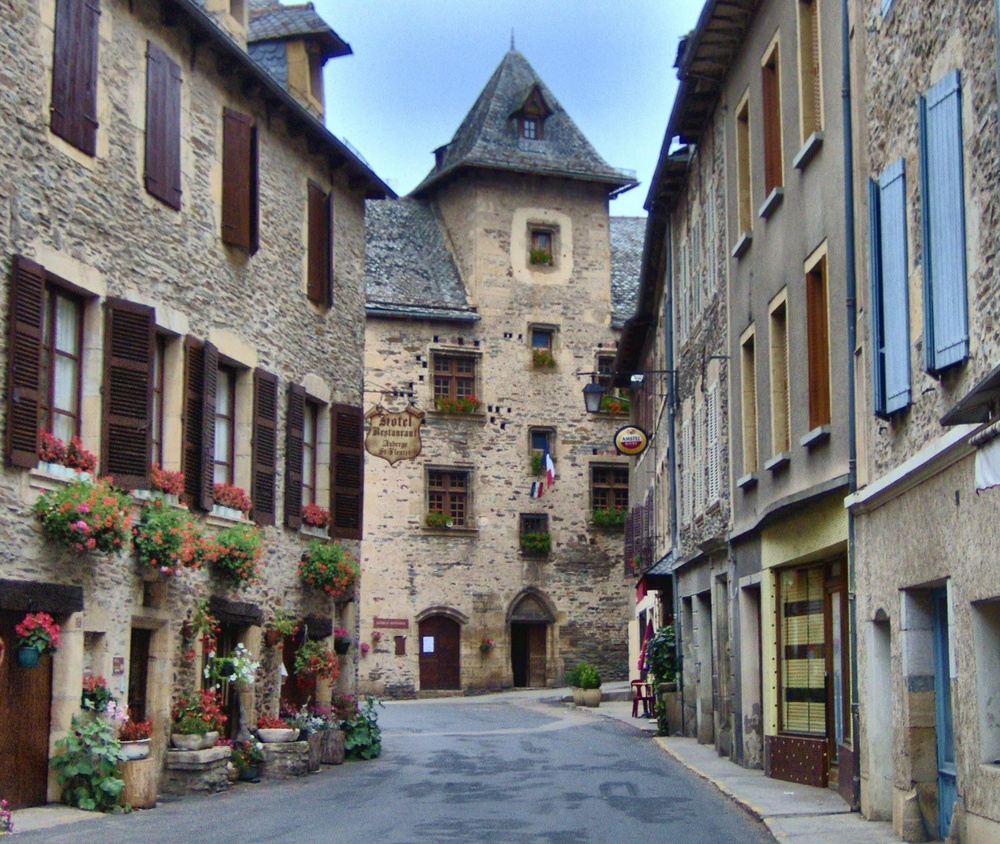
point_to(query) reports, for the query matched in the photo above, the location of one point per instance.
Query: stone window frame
(467, 497)
(612, 486)
(454, 353)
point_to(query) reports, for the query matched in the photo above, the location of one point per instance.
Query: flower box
(193, 741)
(311, 530)
(68, 472)
(273, 736)
(227, 512)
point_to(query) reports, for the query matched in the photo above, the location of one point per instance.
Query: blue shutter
(875, 306)
(946, 325)
(895, 295)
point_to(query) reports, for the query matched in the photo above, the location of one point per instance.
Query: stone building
(928, 613)
(175, 289)
(490, 289)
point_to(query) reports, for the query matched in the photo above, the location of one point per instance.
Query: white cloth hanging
(988, 465)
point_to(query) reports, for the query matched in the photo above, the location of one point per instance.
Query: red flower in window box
(51, 449)
(164, 480)
(77, 457)
(230, 495)
(315, 516)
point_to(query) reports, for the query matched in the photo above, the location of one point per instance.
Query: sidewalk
(792, 812)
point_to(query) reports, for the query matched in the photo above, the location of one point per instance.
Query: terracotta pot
(273, 736)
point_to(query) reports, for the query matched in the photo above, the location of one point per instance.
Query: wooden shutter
(237, 178)
(265, 446)
(294, 431)
(163, 126)
(210, 378)
(772, 124)
(877, 343)
(328, 290)
(347, 471)
(194, 376)
(318, 284)
(817, 331)
(946, 326)
(74, 73)
(629, 540)
(895, 293)
(712, 411)
(253, 200)
(24, 364)
(129, 338)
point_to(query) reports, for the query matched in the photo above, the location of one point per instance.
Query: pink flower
(81, 526)
(82, 508)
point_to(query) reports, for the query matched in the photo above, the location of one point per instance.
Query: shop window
(448, 494)
(802, 651)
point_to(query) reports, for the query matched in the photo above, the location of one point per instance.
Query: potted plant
(540, 256)
(96, 695)
(330, 568)
(135, 738)
(315, 519)
(36, 634)
(67, 461)
(237, 667)
(200, 624)
(230, 500)
(247, 757)
(609, 518)
(87, 762)
(6, 819)
(280, 625)
(170, 483)
(486, 646)
(342, 640)
(536, 543)
(586, 684)
(85, 517)
(446, 404)
(197, 719)
(436, 519)
(543, 358)
(615, 404)
(236, 556)
(165, 539)
(272, 729)
(661, 654)
(314, 659)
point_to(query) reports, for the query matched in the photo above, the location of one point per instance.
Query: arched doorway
(440, 664)
(530, 618)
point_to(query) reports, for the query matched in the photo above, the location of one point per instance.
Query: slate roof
(627, 235)
(488, 137)
(409, 269)
(271, 21)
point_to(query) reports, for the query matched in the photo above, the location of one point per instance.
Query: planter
(193, 741)
(250, 773)
(280, 734)
(315, 751)
(312, 530)
(138, 749)
(67, 472)
(227, 512)
(28, 657)
(332, 752)
(341, 646)
(587, 697)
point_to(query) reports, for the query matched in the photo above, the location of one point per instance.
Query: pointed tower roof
(489, 137)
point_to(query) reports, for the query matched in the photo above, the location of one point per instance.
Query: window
(163, 126)
(534, 523)
(541, 440)
(448, 492)
(946, 320)
(541, 246)
(609, 487)
(156, 426)
(541, 339)
(771, 87)
(803, 667)
(712, 443)
(817, 335)
(319, 283)
(529, 128)
(748, 377)
(310, 417)
(605, 370)
(74, 73)
(780, 410)
(535, 539)
(810, 79)
(62, 350)
(698, 451)
(240, 209)
(454, 377)
(743, 188)
(225, 425)
(315, 75)
(887, 252)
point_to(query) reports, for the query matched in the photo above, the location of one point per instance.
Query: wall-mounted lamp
(593, 393)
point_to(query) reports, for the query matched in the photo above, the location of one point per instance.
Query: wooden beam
(29, 596)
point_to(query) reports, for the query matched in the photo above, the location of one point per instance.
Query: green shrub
(661, 654)
(362, 736)
(86, 764)
(583, 675)
(536, 542)
(611, 517)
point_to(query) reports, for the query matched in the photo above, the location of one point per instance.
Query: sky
(419, 65)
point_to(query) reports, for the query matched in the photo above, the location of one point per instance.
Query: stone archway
(530, 619)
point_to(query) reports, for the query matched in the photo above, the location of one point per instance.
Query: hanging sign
(394, 435)
(631, 440)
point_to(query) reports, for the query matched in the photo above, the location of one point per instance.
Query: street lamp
(593, 394)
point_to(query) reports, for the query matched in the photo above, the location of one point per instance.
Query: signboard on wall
(394, 435)
(631, 440)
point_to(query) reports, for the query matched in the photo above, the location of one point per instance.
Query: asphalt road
(498, 769)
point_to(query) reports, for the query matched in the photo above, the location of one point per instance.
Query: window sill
(151, 494)
(315, 532)
(742, 245)
(772, 202)
(434, 531)
(747, 482)
(41, 479)
(220, 517)
(778, 462)
(444, 414)
(817, 436)
(808, 151)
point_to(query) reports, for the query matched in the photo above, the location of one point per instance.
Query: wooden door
(25, 703)
(536, 655)
(944, 728)
(138, 673)
(440, 668)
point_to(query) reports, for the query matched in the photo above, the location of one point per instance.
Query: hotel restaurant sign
(394, 435)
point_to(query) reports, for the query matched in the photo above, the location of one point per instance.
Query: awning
(979, 405)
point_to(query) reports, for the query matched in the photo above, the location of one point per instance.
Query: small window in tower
(529, 128)
(540, 250)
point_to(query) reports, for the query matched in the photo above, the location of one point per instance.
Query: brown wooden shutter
(163, 126)
(129, 339)
(210, 378)
(253, 200)
(24, 364)
(316, 258)
(772, 125)
(819, 348)
(74, 73)
(237, 175)
(265, 446)
(328, 266)
(347, 472)
(294, 432)
(629, 540)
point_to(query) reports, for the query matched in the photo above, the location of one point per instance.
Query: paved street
(501, 768)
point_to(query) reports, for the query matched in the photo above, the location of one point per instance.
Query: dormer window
(531, 115)
(529, 128)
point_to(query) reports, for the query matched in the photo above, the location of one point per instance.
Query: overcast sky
(418, 66)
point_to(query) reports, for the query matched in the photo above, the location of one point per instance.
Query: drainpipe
(668, 346)
(852, 444)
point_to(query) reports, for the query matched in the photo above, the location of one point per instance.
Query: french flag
(537, 488)
(550, 469)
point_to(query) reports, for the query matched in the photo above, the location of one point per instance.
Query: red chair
(642, 692)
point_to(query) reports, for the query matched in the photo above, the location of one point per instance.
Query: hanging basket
(341, 646)
(28, 657)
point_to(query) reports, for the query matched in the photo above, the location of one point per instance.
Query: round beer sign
(631, 440)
